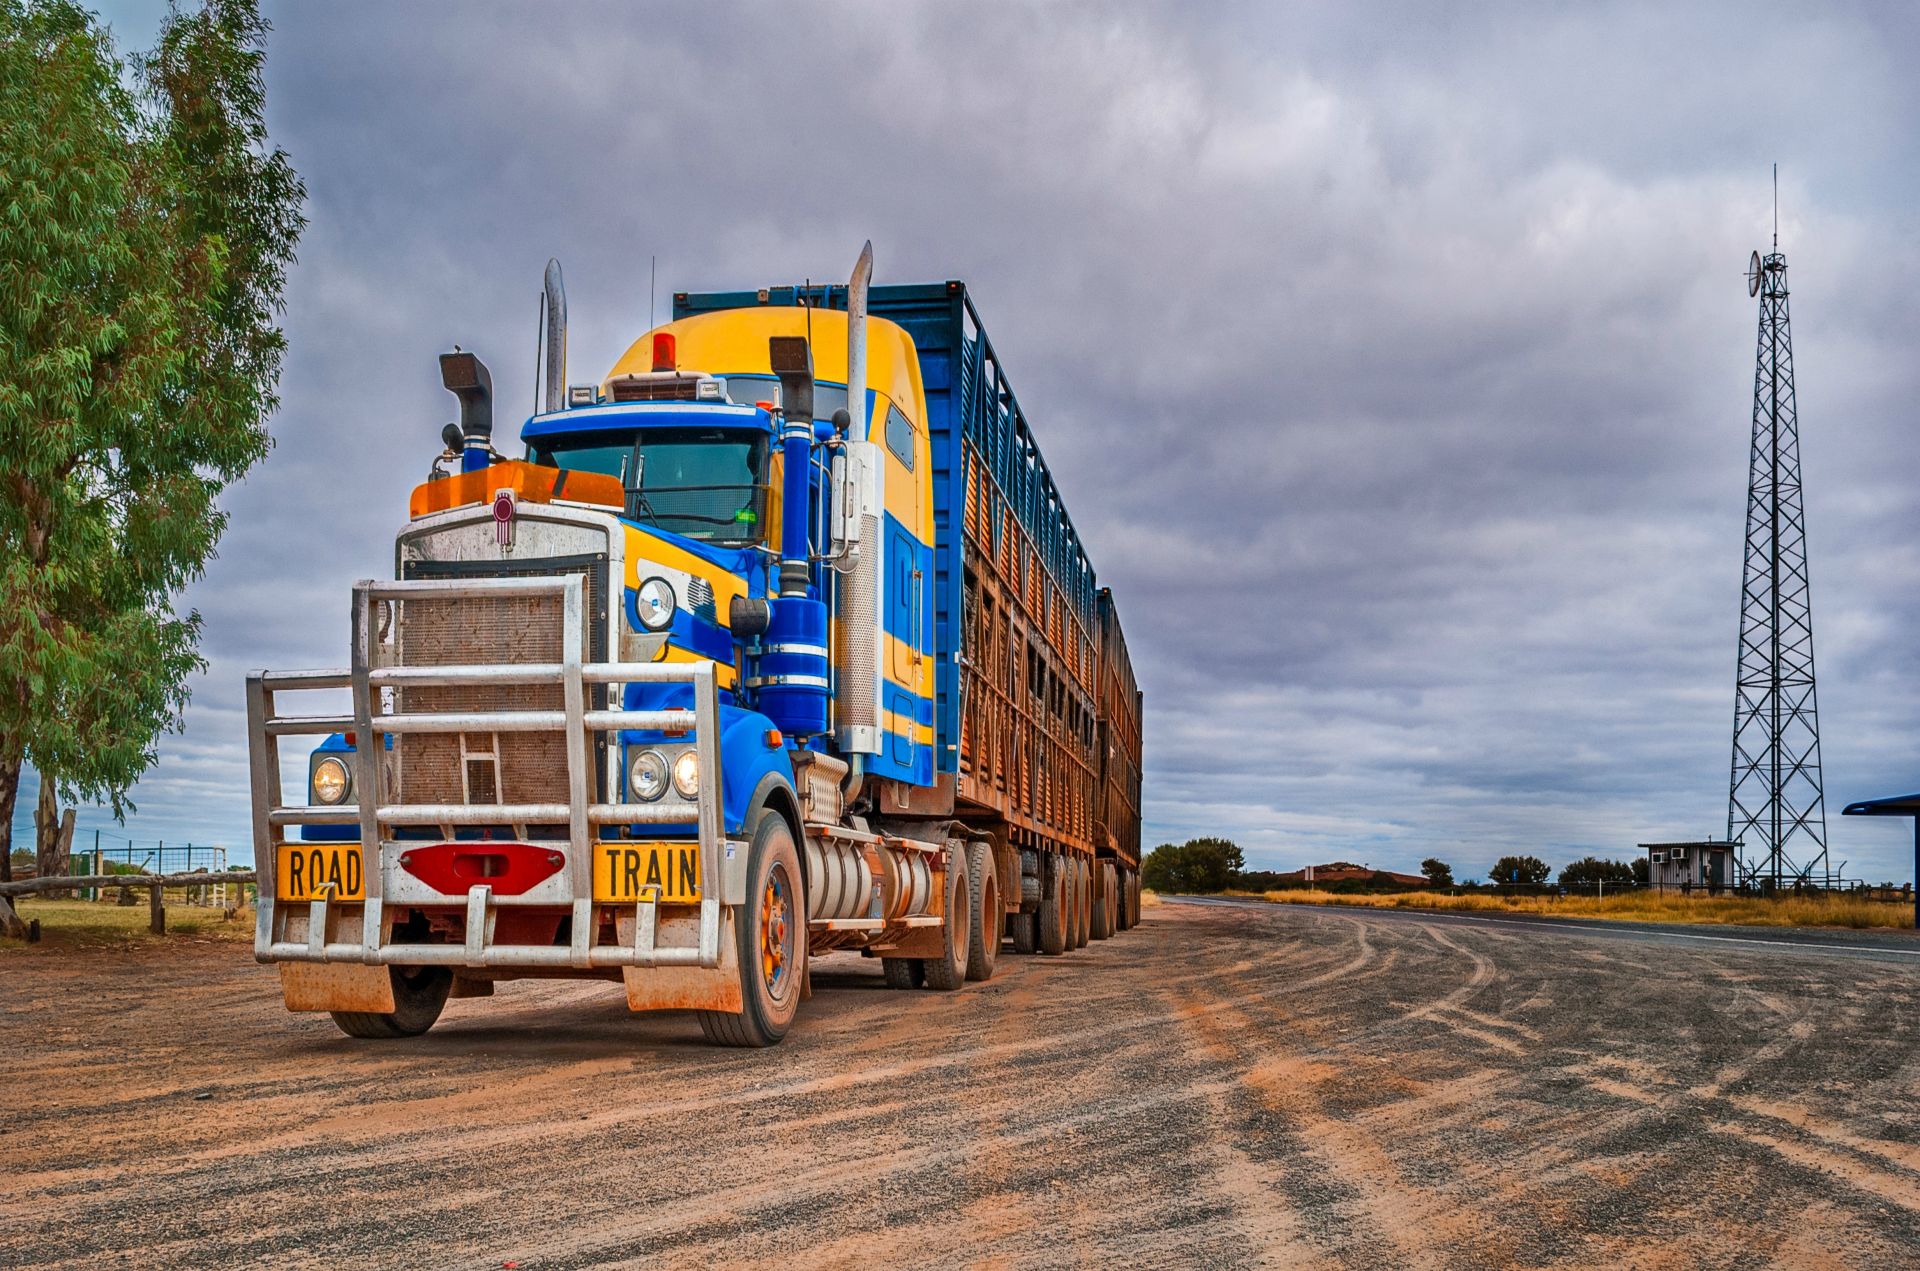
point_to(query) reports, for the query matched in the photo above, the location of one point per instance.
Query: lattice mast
(1775, 803)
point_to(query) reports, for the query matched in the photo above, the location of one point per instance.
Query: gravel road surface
(1223, 1086)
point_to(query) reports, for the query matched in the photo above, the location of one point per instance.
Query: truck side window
(900, 437)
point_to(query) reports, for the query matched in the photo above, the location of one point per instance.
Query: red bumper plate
(509, 869)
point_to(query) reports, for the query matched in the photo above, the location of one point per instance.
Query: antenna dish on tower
(1753, 276)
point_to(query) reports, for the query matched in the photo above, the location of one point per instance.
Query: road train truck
(777, 641)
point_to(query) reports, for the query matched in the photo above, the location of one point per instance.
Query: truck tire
(1104, 906)
(903, 973)
(1025, 930)
(1056, 885)
(1124, 910)
(770, 934)
(949, 971)
(985, 919)
(1133, 895)
(419, 995)
(1085, 894)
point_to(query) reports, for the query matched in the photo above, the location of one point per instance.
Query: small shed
(1708, 864)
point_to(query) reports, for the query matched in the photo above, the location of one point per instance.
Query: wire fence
(112, 854)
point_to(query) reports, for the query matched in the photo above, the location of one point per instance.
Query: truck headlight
(646, 775)
(329, 781)
(686, 774)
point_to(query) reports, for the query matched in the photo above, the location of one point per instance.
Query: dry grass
(1148, 899)
(86, 923)
(1639, 906)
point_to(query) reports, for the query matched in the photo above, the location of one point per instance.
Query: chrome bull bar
(722, 863)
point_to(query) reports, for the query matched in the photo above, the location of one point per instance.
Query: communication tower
(1775, 802)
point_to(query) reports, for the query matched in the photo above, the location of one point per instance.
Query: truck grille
(481, 768)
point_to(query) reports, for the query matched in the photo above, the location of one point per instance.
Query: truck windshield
(704, 483)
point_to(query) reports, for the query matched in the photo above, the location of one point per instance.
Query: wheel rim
(776, 931)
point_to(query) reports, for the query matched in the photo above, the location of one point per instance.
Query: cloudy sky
(1396, 367)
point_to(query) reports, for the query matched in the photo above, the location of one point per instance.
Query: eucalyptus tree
(146, 227)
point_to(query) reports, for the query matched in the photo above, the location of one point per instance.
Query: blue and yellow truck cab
(777, 641)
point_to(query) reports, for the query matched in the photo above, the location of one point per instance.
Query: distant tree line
(1204, 865)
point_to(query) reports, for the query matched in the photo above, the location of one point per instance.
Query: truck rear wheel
(903, 973)
(1104, 907)
(1025, 930)
(419, 995)
(949, 971)
(770, 936)
(1056, 885)
(983, 912)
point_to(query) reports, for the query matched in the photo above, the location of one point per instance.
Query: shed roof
(1893, 805)
(1722, 843)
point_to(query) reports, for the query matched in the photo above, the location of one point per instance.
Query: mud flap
(688, 988)
(337, 986)
(917, 942)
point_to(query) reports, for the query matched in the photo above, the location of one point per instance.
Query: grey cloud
(1395, 365)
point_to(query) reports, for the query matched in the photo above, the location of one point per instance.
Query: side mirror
(856, 498)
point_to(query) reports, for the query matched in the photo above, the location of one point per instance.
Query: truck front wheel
(770, 936)
(419, 994)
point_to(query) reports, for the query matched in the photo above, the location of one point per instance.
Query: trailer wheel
(904, 973)
(1084, 927)
(1123, 920)
(770, 934)
(1133, 897)
(983, 912)
(1056, 884)
(1025, 930)
(419, 995)
(1105, 910)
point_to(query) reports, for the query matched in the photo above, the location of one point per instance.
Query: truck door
(907, 556)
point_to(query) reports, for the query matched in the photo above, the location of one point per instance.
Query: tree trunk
(53, 834)
(9, 789)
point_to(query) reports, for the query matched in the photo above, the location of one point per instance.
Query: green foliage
(1527, 871)
(1642, 871)
(1196, 866)
(1589, 870)
(144, 242)
(1438, 872)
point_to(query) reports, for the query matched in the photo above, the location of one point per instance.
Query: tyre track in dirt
(1222, 1086)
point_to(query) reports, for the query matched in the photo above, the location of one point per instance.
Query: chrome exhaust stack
(857, 340)
(556, 341)
(858, 637)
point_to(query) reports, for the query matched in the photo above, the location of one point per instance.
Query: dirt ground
(1223, 1086)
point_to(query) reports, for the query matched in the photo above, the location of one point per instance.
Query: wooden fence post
(156, 911)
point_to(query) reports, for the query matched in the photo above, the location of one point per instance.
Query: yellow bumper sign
(626, 873)
(302, 870)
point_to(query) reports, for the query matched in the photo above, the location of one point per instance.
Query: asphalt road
(1224, 1086)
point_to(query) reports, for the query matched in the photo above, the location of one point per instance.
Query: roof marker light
(665, 355)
